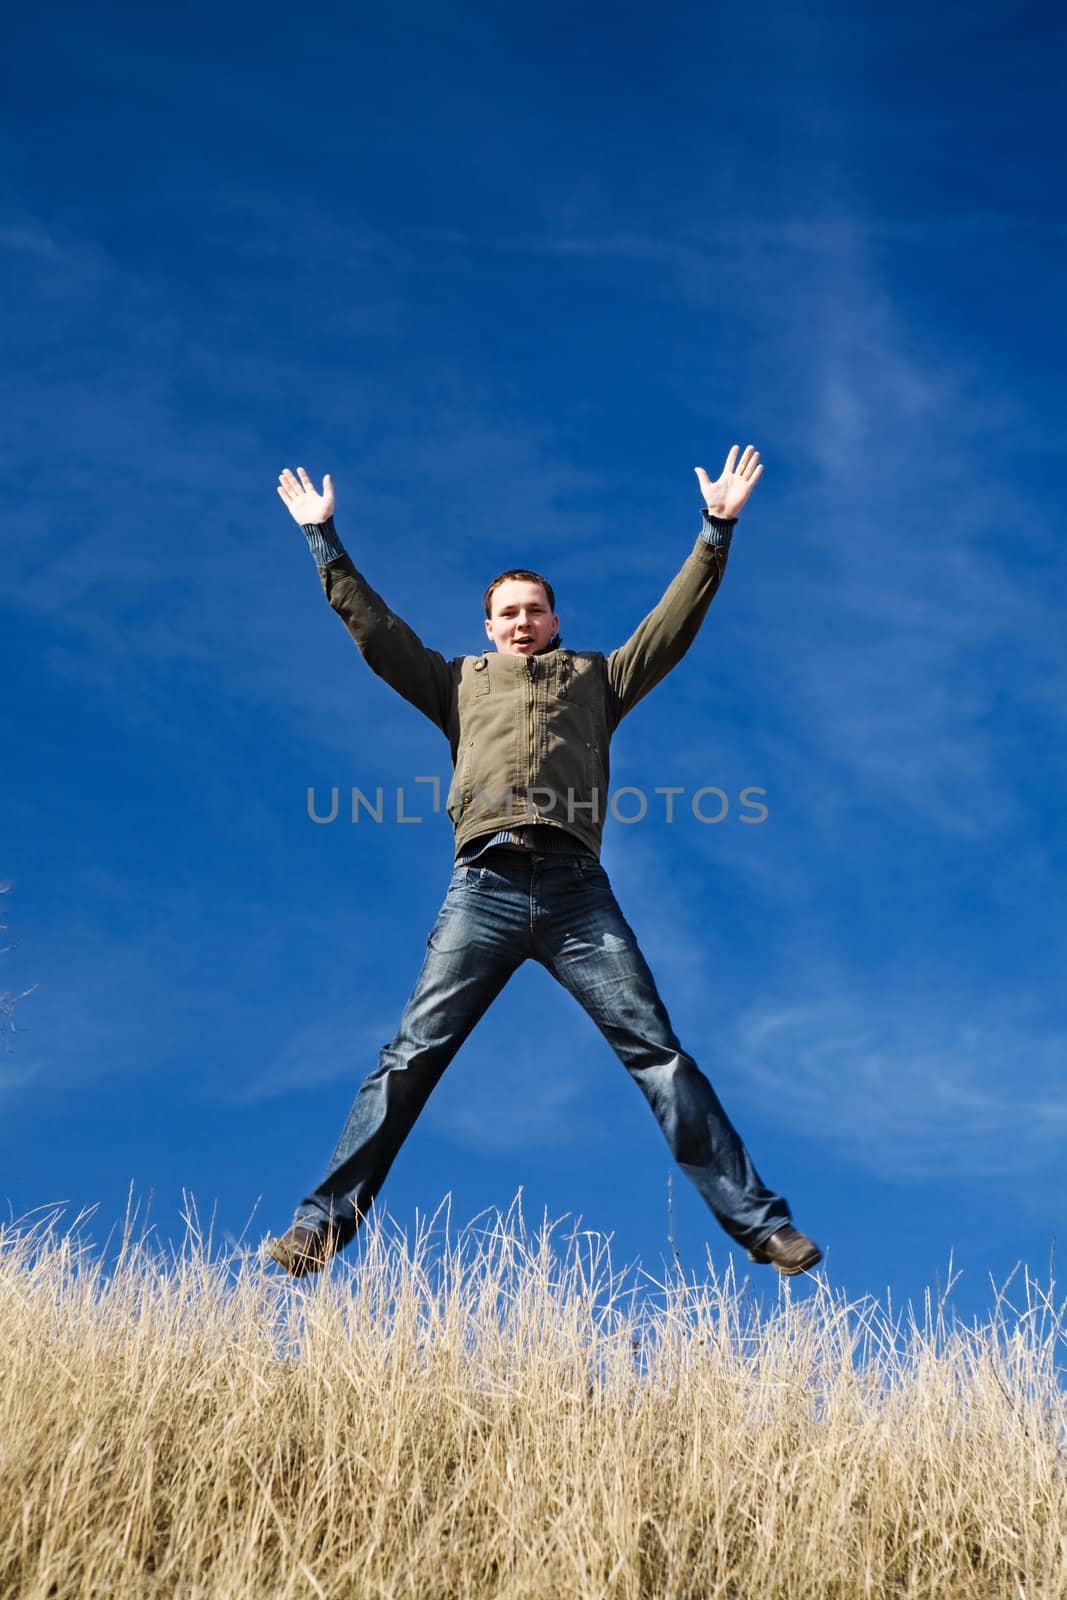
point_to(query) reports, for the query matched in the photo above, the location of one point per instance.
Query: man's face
(521, 623)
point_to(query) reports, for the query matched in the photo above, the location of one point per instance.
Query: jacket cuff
(717, 531)
(323, 541)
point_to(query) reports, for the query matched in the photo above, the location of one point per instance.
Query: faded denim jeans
(505, 908)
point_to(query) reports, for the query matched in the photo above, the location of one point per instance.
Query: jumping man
(529, 729)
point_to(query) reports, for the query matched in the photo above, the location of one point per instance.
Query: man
(529, 729)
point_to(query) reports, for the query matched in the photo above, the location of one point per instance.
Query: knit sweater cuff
(717, 531)
(323, 541)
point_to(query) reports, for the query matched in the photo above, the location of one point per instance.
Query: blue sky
(509, 276)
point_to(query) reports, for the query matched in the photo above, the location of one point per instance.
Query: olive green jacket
(529, 736)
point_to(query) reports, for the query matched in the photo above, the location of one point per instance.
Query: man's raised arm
(662, 639)
(388, 645)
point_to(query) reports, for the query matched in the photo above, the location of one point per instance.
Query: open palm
(305, 503)
(731, 489)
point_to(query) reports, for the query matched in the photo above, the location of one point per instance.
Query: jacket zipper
(531, 674)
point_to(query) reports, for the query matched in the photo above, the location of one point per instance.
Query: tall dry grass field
(498, 1412)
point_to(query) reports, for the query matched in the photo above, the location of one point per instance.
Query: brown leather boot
(789, 1250)
(303, 1250)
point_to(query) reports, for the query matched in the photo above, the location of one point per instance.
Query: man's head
(520, 614)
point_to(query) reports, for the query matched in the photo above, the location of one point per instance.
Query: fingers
(289, 487)
(745, 480)
(748, 467)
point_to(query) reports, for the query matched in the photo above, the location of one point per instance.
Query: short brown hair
(523, 576)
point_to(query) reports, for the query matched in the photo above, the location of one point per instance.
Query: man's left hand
(731, 489)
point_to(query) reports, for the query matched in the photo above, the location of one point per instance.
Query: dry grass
(499, 1413)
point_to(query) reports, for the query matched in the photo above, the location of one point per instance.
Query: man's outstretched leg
(476, 944)
(588, 945)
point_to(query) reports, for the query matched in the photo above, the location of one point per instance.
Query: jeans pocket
(455, 884)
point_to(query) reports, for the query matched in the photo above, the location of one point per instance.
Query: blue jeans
(506, 907)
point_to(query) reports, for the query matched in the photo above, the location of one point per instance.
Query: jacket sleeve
(662, 639)
(388, 645)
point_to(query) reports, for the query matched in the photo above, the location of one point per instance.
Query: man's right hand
(305, 503)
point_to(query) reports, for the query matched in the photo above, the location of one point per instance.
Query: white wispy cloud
(184, 560)
(316, 1054)
(912, 1088)
(883, 585)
